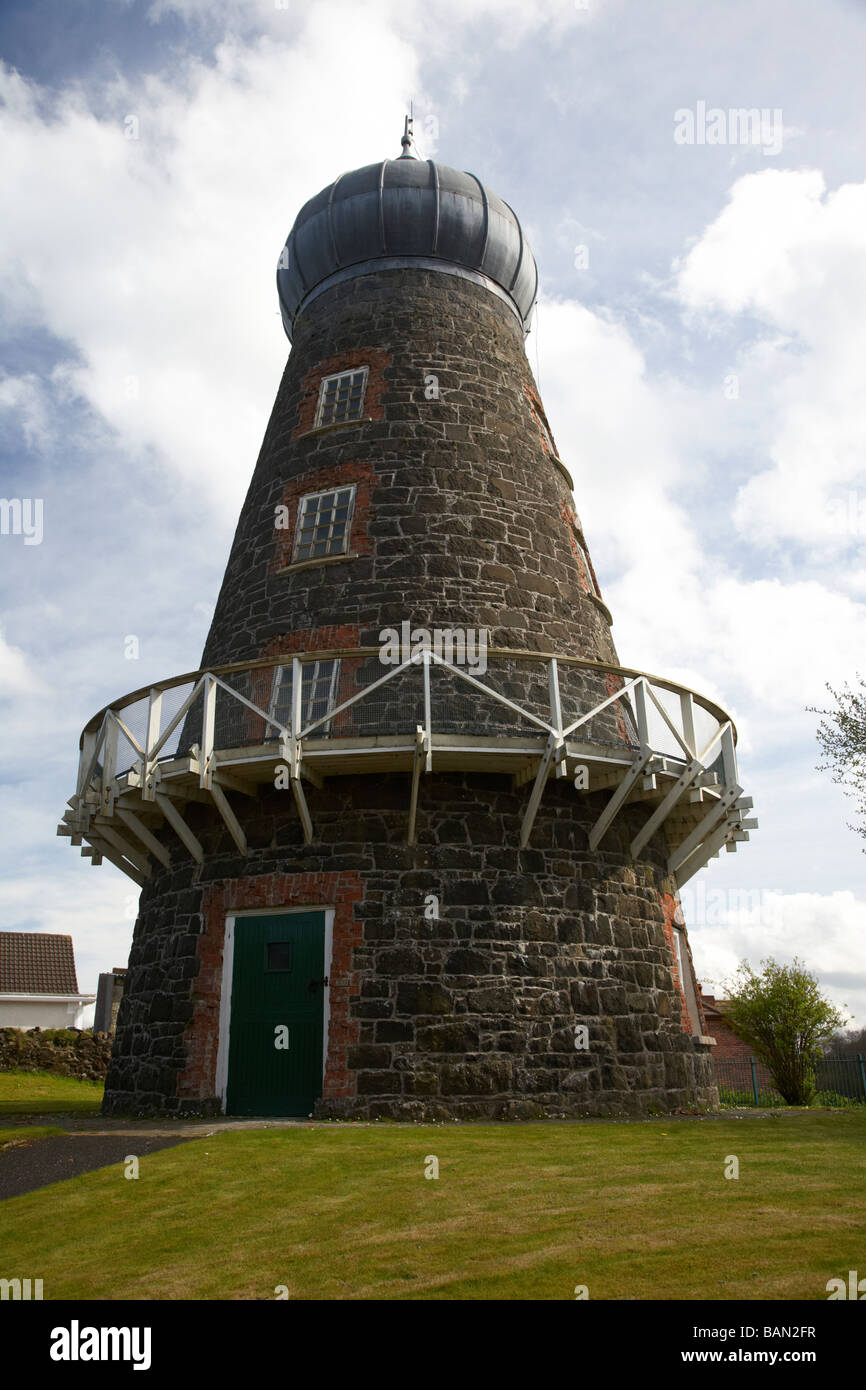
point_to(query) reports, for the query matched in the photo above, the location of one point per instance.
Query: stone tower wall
(463, 519)
(469, 1013)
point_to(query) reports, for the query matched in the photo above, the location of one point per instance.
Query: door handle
(314, 984)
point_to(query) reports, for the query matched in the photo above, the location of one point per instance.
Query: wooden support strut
(102, 850)
(235, 829)
(147, 838)
(303, 809)
(233, 784)
(692, 770)
(553, 742)
(108, 833)
(703, 828)
(702, 855)
(179, 825)
(418, 759)
(610, 811)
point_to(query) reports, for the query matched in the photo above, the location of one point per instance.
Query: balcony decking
(528, 715)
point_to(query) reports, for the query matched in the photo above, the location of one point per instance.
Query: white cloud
(762, 648)
(154, 258)
(509, 22)
(17, 676)
(23, 397)
(826, 931)
(793, 256)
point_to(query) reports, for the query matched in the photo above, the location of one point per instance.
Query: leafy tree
(842, 738)
(783, 1016)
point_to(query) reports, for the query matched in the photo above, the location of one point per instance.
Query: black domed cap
(402, 212)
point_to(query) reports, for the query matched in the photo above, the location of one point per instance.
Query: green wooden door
(277, 1010)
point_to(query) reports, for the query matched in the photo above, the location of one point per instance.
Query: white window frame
(323, 387)
(315, 497)
(283, 676)
(679, 955)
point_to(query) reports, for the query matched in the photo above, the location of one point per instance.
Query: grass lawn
(633, 1211)
(42, 1093)
(17, 1137)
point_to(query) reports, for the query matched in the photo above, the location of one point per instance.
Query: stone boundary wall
(62, 1051)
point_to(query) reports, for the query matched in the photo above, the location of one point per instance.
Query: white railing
(666, 744)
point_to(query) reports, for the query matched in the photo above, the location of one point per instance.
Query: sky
(699, 344)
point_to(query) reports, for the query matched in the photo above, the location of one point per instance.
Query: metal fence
(838, 1081)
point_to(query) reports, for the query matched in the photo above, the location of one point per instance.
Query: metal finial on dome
(407, 141)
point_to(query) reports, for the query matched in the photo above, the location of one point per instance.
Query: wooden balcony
(293, 721)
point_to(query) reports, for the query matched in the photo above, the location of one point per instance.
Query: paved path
(94, 1123)
(25, 1167)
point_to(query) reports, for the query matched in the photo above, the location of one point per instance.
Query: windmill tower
(410, 840)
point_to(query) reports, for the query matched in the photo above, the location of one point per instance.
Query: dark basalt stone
(467, 523)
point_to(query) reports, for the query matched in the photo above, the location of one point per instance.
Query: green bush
(835, 1100)
(742, 1099)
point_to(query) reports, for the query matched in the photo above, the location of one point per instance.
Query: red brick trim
(312, 639)
(542, 422)
(577, 541)
(219, 900)
(670, 907)
(319, 480)
(374, 359)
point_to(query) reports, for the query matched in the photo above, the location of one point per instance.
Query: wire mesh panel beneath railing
(580, 691)
(463, 709)
(189, 732)
(525, 682)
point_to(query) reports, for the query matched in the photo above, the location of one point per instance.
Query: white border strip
(222, 1064)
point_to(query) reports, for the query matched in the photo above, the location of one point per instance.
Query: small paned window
(318, 694)
(279, 955)
(341, 397)
(324, 522)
